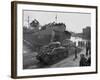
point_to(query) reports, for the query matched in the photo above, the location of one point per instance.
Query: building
(53, 33)
(87, 33)
(55, 26)
(49, 33)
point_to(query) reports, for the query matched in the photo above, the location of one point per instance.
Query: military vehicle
(52, 53)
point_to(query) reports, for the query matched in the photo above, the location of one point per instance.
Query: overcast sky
(73, 21)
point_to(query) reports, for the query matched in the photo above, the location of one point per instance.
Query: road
(69, 62)
(30, 61)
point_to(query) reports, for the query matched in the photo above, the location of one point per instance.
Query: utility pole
(56, 18)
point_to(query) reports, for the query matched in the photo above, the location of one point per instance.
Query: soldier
(89, 61)
(86, 49)
(83, 60)
(75, 53)
(78, 43)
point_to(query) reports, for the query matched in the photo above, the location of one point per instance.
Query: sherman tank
(52, 53)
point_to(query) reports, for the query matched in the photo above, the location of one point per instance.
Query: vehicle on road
(52, 53)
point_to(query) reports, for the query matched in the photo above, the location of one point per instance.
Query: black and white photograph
(53, 39)
(56, 39)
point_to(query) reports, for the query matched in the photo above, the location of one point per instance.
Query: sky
(74, 22)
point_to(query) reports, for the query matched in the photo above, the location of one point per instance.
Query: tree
(34, 25)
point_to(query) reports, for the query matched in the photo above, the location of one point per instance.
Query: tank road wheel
(60, 55)
(48, 59)
(65, 54)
